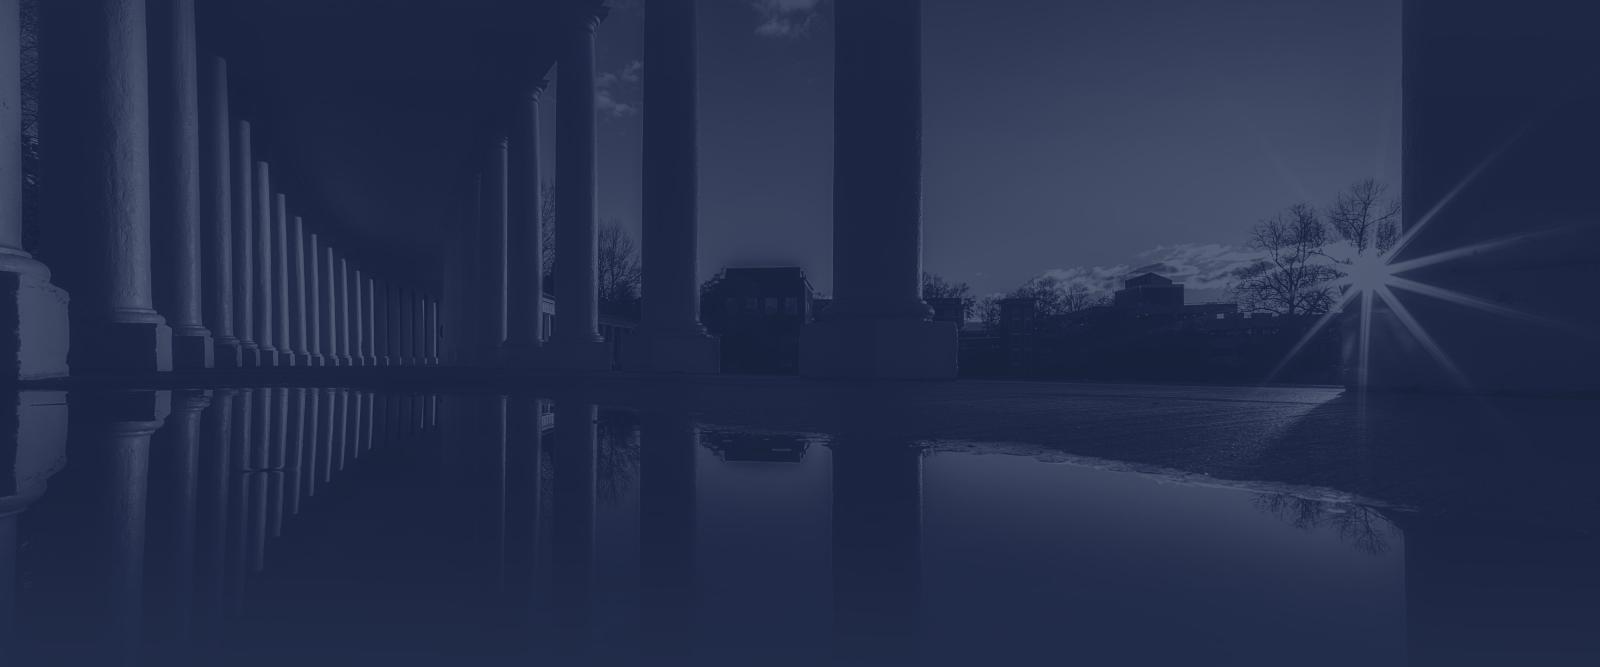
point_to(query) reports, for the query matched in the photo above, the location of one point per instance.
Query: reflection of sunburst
(1374, 277)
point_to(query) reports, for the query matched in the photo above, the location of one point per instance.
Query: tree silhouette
(934, 286)
(1295, 276)
(1365, 217)
(618, 272)
(1054, 297)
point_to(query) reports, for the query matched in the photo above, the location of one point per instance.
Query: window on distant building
(791, 306)
(731, 305)
(772, 305)
(751, 303)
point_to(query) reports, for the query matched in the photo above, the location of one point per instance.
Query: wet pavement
(321, 526)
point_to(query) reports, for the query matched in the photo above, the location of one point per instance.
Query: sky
(1086, 139)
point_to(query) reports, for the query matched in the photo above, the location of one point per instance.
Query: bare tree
(934, 286)
(1056, 297)
(988, 312)
(618, 264)
(29, 25)
(1366, 217)
(1295, 276)
(547, 231)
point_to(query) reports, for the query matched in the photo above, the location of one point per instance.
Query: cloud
(613, 89)
(1205, 269)
(785, 18)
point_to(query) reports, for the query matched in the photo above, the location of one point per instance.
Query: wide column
(492, 254)
(577, 341)
(315, 298)
(266, 329)
(430, 338)
(280, 280)
(330, 306)
(525, 242)
(217, 222)
(244, 256)
(341, 328)
(671, 338)
(33, 343)
(369, 321)
(358, 321)
(878, 325)
(97, 181)
(175, 180)
(1500, 244)
(299, 326)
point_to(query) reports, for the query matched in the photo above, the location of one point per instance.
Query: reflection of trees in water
(617, 449)
(1362, 527)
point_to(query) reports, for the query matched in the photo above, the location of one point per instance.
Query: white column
(525, 243)
(38, 348)
(577, 324)
(175, 180)
(217, 211)
(671, 338)
(878, 325)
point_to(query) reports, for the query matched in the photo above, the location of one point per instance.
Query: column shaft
(525, 243)
(244, 256)
(342, 273)
(280, 280)
(431, 350)
(266, 329)
(298, 325)
(380, 321)
(358, 323)
(315, 297)
(577, 323)
(36, 346)
(369, 322)
(97, 181)
(671, 337)
(878, 325)
(330, 306)
(175, 179)
(217, 221)
(494, 248)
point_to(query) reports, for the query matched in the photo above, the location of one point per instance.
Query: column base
(121, 347)
(879, 349)
(249, 355)
(585, 356)
(34, 329)
(268, 356)
(227, 354)
(315, 361)
(192, 351)
(670, 352)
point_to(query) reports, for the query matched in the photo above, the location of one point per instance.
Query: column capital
(589, 13)
(535, 89)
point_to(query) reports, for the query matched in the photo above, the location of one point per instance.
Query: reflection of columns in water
(352, 421)
(26, 464)
(241, 447)
(211, 512)
(494, 444)
(110, 447)
(330, 445)
(668, 445)
(524, 468)
(174, 489)
(368, 421)
(877, 547)
(278, 459)
(574, 518)
(312, 451)
(341, 427)
(295, 453)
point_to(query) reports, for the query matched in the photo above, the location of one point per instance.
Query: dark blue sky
(1088, 137)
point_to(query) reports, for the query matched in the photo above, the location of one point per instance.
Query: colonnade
(164, 221)
(182, 246)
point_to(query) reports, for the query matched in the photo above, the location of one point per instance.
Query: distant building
(949, 309)
(1149, 292)
(758, 312)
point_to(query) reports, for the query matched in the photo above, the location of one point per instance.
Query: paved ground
(1529, 460)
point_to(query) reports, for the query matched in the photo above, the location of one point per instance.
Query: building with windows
(758, 313)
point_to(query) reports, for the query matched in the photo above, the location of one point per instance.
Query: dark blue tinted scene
(799, 332)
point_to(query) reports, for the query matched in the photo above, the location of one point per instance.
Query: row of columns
(164, 224)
